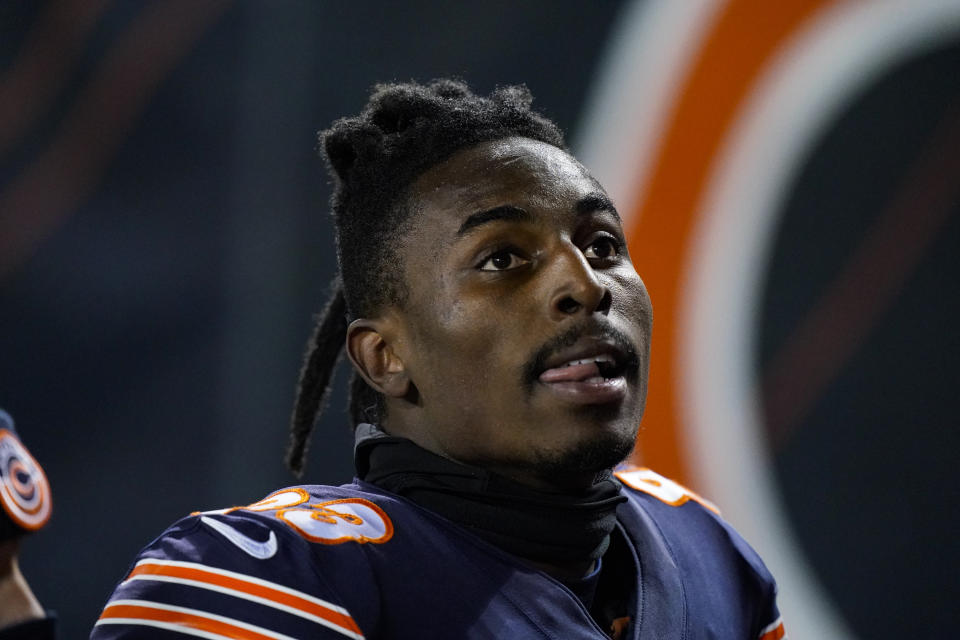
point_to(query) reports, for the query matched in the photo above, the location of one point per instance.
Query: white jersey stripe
(192, 612)
(247, 596)
(245, 578)
(244, 586)
(164, 625)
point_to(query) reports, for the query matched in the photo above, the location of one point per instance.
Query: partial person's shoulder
(721, 579)
(288, 564)
(286, 520)
(315, 513)
(649, 486)
(685, 517)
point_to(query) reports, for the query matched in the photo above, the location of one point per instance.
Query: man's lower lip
(604, 391)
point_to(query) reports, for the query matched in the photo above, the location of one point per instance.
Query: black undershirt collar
(540, 526)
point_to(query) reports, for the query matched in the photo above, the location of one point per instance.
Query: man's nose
(577, 289)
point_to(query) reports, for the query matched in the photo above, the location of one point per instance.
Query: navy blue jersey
(357, 562)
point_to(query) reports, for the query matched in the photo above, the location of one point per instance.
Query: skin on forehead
(472, 180)
(468, 330)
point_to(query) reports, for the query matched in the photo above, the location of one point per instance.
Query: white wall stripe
(648, 59)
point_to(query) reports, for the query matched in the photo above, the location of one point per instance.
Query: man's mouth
(592, 370)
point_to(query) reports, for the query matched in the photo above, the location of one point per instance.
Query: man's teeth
(594, 369)
(598, 359)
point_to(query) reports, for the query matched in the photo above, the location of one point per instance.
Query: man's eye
(602, 248)
(503, 261)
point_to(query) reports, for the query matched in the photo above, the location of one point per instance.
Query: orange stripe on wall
(744, 37)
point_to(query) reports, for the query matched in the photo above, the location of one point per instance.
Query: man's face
(526, 332)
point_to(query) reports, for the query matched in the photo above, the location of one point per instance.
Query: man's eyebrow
(504, 212)
(596, 201)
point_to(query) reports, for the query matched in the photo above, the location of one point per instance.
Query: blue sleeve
(771, 623)
(232, 575)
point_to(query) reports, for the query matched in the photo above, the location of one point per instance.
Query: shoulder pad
(664, 489)
(325, 515)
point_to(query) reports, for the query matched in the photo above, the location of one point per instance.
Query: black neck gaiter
(536, 525)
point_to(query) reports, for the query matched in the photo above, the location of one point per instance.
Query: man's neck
(559, 532)
(568, 482)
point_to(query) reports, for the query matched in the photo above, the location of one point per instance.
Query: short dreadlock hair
(374, 158)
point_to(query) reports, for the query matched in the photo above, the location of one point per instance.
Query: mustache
(594, 329)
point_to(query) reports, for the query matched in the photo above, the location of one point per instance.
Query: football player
(499, 336)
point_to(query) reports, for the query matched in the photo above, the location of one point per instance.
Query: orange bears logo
(24, 490)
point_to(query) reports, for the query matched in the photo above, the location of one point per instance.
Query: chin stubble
(599, 453)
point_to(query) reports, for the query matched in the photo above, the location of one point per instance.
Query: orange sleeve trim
(263, 591)
(775, 631)
(133, 613)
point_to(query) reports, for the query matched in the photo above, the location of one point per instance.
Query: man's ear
(370, 349)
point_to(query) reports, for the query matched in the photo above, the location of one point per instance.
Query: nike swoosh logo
(255, 548)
